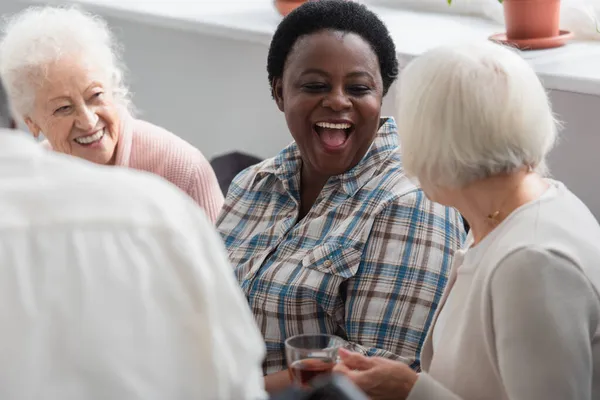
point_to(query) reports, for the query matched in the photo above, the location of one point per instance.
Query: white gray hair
(38, 36)
(470, 111)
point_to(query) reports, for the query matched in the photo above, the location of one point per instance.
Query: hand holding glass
(311, 355)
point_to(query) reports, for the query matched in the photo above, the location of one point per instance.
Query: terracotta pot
(287, 6)
(531, 19)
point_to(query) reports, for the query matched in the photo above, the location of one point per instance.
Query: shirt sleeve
(391, 299)
(235, 351)
(234, 203)
(204, 188)
(544, 315)
(427, 388)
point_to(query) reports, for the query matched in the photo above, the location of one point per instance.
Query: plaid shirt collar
(287, 164)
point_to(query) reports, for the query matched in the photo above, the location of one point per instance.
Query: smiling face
(76, 112)
(331, 93)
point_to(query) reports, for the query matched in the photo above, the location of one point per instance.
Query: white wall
(211, 91)
(10, 6)
(214, 93)
(576, 159)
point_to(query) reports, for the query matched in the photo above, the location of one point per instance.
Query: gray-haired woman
(64, 77)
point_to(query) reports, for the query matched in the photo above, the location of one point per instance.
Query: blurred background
(197, 68)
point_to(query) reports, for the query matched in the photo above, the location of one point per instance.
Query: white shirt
(523, 321)
(456, 297)
(451, 306)
(113, 285)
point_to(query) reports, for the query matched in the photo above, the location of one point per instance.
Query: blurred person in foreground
(114, 285)
(520, 318)
(63, 74)
(330, 236)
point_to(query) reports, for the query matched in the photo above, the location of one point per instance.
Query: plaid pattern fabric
(368, 262)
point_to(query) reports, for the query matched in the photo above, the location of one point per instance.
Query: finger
(341, 368)
(359, 378)
(355, 361)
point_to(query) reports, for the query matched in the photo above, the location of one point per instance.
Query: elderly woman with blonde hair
(62, 73)
(520, 317)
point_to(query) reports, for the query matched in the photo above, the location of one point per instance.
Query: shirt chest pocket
(324, 270)
(333, 259)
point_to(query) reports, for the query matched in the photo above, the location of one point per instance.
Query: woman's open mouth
(333, 136)
(91, 139)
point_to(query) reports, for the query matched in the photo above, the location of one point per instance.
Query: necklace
(494, 216)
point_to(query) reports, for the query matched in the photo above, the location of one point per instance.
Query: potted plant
(287, 6)
(531, 24)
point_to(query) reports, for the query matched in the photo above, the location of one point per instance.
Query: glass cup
(311, 355)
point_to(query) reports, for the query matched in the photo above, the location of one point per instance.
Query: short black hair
(337, 15)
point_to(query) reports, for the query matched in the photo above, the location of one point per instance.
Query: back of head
(471, 111)
(336, 15)
(38, 36)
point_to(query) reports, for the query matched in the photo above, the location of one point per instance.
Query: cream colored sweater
(525, 317)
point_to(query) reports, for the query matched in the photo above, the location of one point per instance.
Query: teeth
(332, 126)
(90, 139)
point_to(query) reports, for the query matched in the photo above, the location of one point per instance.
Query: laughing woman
(330, 236)
(62, 75)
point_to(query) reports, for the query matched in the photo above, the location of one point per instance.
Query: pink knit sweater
(150, 148)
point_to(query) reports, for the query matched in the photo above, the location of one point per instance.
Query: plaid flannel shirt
(368, 262)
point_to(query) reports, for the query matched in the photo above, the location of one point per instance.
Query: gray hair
(471, 111)
(39, 36)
